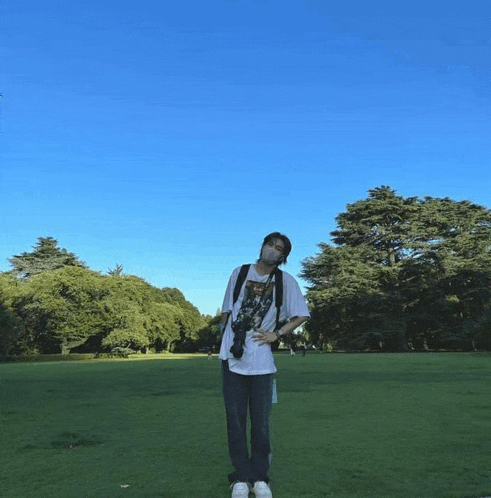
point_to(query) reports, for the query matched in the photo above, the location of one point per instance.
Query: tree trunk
(392, 258)
(66, 346)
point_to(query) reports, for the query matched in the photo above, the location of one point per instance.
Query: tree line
(400, 274)
(403, 274)
(51, 302)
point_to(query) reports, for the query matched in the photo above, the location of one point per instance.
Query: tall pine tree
(46, 256)
(402, 273)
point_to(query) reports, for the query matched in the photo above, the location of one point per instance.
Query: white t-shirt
(258, 359)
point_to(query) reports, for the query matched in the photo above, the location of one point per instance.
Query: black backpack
(278, 279)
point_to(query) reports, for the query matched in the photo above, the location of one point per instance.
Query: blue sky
(171, 137)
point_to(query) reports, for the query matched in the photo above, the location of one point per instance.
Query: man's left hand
(264, 336)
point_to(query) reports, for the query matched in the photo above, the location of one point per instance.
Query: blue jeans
(239, 392)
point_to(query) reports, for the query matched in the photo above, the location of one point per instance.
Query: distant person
(304, 349)
(292, 350)
(210, 351)
(259, 298)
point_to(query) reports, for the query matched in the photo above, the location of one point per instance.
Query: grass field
(346, 425)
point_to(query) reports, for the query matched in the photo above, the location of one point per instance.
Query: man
(248, 363)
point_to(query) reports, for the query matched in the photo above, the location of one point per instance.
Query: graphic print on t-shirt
(257, 301)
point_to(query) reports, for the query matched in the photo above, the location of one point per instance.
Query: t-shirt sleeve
(228, 300)
(294, 300)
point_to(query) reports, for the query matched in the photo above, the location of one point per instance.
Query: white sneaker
(240, 490)
(262, 490)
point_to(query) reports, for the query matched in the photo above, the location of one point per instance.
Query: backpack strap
(278, 280)
(240, 281)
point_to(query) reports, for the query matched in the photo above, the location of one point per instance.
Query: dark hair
(286, 243)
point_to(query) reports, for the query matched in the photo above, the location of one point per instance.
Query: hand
(264, 336)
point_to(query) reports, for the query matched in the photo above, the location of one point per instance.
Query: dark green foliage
(48, 357)
(403, 274)
(209, 336)
(117, 271)
(60, 305)
(46, 256)
(190, 321)
(11, 327)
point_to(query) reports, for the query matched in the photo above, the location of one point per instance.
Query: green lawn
(373, 425)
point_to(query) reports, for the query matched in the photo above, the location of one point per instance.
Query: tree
(190, 321)
(61, 305)
(130, 331)
(401, 273)
(209, 335)
(117, 271)
(163, 321)
(46, 256)
(153, 317)
(62, 309)
(145, 318)
(10, 325)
